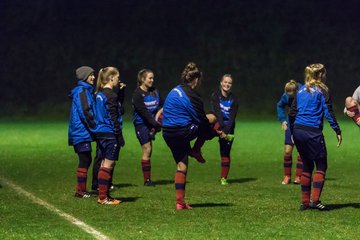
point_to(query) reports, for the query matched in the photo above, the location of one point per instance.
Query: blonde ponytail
(104, 77)
(315, 75)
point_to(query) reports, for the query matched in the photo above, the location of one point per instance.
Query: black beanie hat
(82, 73)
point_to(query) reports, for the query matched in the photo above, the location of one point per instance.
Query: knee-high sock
(287, 165)
(180, 182)
(225, 166)
(299, 166)
(318, 184)
(104, 177)
(146, 168)
(81, 174)
(305, 188)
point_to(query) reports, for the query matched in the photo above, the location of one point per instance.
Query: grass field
(255, 205)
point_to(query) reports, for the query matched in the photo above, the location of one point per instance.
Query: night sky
(261, 43)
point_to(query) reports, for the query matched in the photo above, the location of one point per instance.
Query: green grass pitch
(255, 205)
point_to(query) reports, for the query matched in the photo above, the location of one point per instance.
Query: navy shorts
(142, 134)
(178, 140)
(109, 149)
(310, 144)
(288, 137)
(82, 147)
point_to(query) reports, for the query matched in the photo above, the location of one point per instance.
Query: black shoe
(319, 206)
(304, 207)
(82, 195)
(149, 183)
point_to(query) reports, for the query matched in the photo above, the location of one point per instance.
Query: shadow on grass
(163, 182)
(123, 185)
(344, 205)
(128, 199)
(241, 180)
(330, 179)
(206, 205)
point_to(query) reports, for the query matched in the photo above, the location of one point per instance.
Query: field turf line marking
(19, 190)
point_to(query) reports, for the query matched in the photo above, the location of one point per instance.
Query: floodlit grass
(254, 206)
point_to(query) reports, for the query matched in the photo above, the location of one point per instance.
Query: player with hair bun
(311, 103)
(184, 119)
(286, 100)
(146, 103)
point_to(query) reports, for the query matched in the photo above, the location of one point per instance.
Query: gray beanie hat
(82, 73)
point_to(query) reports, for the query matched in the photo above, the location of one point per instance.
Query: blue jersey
(182, 107)
(146, 105)
(225, 110)
(108, 114)
(310, 107)
(82, 123)
(285, 101)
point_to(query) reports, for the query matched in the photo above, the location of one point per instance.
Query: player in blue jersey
(109, 129)
(184, 119)
(120, 91)
(82, 125)
(146, 103)
(225, 106)
(311, 104)
(286, 100)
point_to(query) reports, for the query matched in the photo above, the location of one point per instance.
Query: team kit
(97, 115)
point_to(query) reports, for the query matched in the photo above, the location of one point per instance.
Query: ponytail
(104, 77)
(315, 75)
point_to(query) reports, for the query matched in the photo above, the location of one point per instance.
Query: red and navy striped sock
(180, 182)
(104, 178)
(318, 184)
(225, 167)
(81, 174)
(287, 165)
(305, 188)
(146, 168)
(299, 167)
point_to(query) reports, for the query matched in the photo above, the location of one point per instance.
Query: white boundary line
(19, 190)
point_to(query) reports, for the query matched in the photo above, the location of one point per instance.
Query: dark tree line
(261, 43)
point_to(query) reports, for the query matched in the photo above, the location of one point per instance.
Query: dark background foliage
(261, 43)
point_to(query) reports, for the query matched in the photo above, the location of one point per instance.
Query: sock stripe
(180, 186)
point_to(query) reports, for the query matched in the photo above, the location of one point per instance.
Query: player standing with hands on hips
(311, 104)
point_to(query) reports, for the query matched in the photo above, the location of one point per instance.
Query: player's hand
(122, 85)
(221, 134)
(350, 114)
(339, 138)
(284, 125)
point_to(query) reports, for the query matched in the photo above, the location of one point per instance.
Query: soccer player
(109, 130)
(82, 125)
(146, 103)
(120, 91)
(225, 106)
(311, 104)
(184, 119)
(352, 108)
(286, 100)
